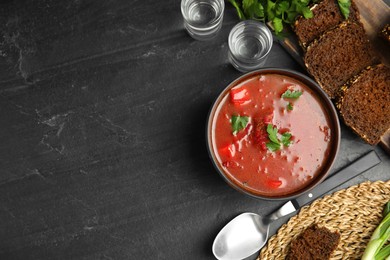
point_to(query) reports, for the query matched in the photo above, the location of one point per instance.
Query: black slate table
(103, 106)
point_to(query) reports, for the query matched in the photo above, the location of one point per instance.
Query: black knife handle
(359, 166)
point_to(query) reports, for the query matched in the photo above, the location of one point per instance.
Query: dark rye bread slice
(338, 55)
(385, 33)
(364, 104)
(326, 15)
(314, 243)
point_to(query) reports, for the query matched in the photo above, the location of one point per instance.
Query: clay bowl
(249, 179)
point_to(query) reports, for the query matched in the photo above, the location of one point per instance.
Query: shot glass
(249, 45)
(202, 18)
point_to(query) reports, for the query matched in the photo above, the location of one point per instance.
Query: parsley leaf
(273, 146)
(272, 133)
(259, 11)
(239, 123)
(307, 13)
(282, 7)
(253, 9)
(292, 94)
(238, 9)
(286, 139)
(278, 24)
(344, 6)
(276, 143)
(270, 6)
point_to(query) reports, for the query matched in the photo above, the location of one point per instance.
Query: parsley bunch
(279, 12)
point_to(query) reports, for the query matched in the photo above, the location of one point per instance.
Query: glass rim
(250, 23)
(215, 21)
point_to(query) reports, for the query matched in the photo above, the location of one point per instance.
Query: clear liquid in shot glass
(201, 13)
(203, 18)
(249, 45)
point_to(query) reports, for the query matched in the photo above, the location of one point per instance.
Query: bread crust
(338, 55)
(385, 33)
(364, 103)
(326, 16)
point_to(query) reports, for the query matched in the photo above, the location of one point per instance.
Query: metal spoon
(247, 233)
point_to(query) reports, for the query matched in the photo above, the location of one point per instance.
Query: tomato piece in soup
(228, 151)
(239, 95)
(274, 183)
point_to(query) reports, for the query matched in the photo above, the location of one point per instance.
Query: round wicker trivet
(354, 213)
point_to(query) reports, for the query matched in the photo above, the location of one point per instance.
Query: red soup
(270, 135)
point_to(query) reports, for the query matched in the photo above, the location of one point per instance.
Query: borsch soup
(270, 135)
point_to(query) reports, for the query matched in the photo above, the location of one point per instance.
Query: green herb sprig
(344, 6)
(294, 94)
(291, 94)
(275, 142)
(239, 123)
(280, 12)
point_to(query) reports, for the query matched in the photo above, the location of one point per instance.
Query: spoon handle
(357, 167)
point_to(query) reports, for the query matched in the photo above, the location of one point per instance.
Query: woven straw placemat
(354, 212)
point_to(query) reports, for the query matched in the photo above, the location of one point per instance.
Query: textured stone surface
(103, 106)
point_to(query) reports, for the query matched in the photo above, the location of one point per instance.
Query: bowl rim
(328, 107)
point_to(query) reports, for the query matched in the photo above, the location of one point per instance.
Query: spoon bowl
(229, 243)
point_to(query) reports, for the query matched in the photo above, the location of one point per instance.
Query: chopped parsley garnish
(272, 133)
(286, 139)
(273, 146)
(293, 94)
(276, 143)
(239, 123)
